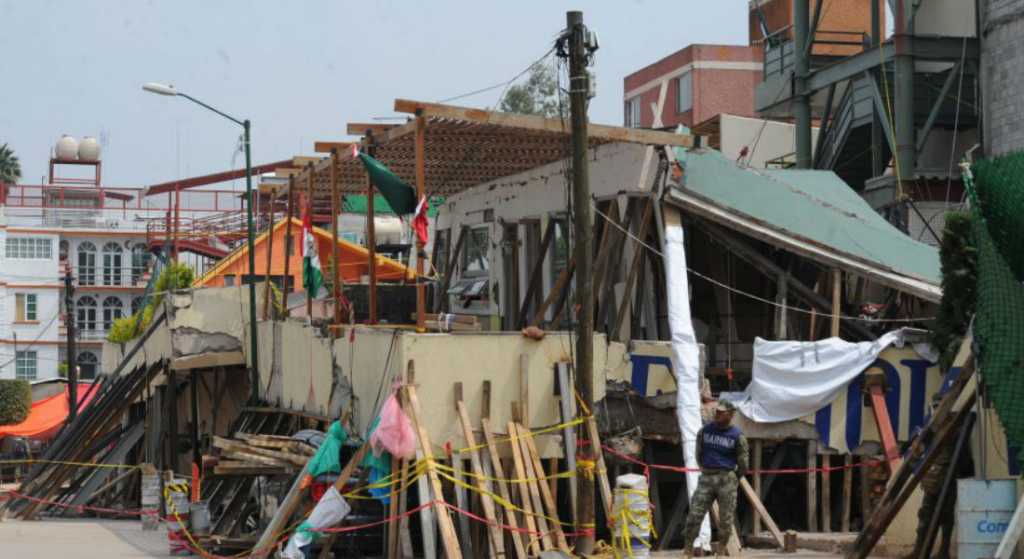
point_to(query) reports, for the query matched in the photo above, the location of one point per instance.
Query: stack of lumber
(248, 454)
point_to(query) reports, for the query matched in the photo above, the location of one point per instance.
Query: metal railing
(780, 55)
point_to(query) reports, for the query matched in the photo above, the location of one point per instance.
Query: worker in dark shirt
(723, 454)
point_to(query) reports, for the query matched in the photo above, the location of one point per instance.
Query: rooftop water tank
(67, 148)
(89, 149)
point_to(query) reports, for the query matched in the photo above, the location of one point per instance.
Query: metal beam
(214, 178)
(876, 97)
(825, 128)
(921, 47)
(934, 114)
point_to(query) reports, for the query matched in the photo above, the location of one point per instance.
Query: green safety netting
(997, 198)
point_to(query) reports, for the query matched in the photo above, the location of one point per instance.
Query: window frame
(688, 76)
(29, 248)
(26, 307)
(86, 271)
(633, 112)
(23, 361)
(471, 242)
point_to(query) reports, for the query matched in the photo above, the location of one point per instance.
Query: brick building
(702, 81)
(699, 82)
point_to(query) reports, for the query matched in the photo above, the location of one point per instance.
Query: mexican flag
(312, 277)
(399, 194)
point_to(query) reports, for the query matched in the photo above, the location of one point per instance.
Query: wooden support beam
(837, 304)
(530, 451)
(812, 486)
(496, 538)
(556, 291)
(503, 492)
(762, 512)
(289, 244)
(536, 273)
(874, 385)
(826, 493)
(421, 185)
(757, 451)
(601, 472)
(844, 521)
(371, 237)
(521, 453)
(442, 303)
(335, 249)
(270, 254)
(541, 124)
(444, 520)
(524, 388)
(634, 269)
(752, 256)
(567, 408)
(529, 518)
(361, 128)
(328, 147)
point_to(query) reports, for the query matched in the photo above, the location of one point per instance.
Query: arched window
(86, 263)
(137, 304)
(111, 264)
(113, 309)
(140, 261)
(86, 310)
(88, 365)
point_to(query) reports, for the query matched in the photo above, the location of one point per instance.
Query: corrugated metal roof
(812, 207)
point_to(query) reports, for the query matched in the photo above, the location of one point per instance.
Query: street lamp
(162, 89)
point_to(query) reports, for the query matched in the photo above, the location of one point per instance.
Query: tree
(10, 168)
(540, 95)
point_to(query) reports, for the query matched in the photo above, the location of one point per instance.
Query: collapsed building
(778, 254)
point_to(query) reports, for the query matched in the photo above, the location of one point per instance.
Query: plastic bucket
(983, 512)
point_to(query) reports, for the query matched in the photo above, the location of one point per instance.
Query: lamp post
(162, 89)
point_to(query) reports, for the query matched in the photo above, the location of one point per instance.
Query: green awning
(813, 213)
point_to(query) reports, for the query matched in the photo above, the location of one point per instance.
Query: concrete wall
(765, 140)
(1002, 75)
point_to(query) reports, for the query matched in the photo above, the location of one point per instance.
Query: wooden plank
(844, 521)
(494, 533)
(304, 160)
(461, 497)
(567, 409)
(545, 491)
(837, 306)
(812, 486)
(444, 520)
(758, 454)
(531, 495)
(634, 269)
(536, 273)
(541, 124)
(264, 545)
(499, 473)
(601, 472)
(762, 512)
(556, 290)
(826, 493)
(360, 128)
(453, 259)
(524, 388)
(327, 147)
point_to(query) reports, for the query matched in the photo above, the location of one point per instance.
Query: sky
(299, 70)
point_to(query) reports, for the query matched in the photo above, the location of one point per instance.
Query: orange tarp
(47, 415)
(354, 259)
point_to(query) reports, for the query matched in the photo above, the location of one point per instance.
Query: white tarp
(331, 509)
(790, 380)
(685, 356)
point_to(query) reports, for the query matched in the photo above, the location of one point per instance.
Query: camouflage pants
(718, 486)
(946, 519)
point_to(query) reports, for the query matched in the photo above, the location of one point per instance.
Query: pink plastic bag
(394, 433)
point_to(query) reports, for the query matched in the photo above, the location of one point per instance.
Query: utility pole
(69, 308)
(579, 48)
(802, 101)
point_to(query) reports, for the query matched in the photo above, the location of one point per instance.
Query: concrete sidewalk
(80, 539)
